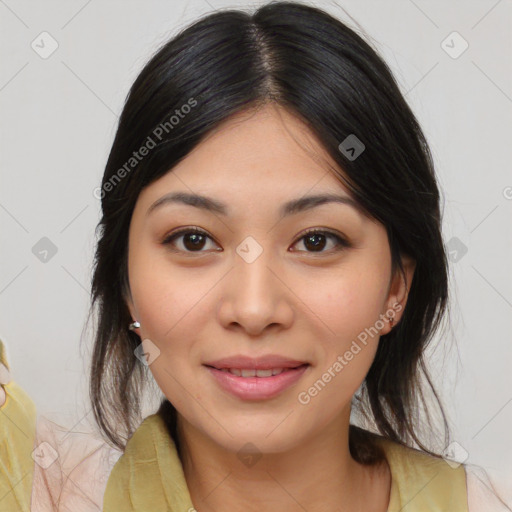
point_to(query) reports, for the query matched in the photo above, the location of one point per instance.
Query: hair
(302, 59)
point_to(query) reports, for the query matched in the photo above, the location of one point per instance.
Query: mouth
(260, 373)
(266, 362)
(256, 383)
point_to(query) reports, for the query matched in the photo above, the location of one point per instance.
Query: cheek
(171, 309)
(347, 302)
(347, 306)
(165, 297)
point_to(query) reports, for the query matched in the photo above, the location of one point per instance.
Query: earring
(391, 322)
(134, 326)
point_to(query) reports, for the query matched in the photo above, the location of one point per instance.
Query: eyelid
(343, 242)
(183, 231)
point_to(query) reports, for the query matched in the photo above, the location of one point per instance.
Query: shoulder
(143, 443)
(418, 462)
(141, 449)
(71, 468)
(485, 495)
(148, 471)
(47, 465)
(17, 431)
(136, 458)
(420, 481)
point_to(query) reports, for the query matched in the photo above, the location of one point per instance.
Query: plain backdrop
(58, 115)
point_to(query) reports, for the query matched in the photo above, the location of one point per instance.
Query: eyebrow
(212, 205)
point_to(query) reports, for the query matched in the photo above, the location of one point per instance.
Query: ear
(131, 308)
(398, 293)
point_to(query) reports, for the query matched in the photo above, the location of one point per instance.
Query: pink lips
(256, 388)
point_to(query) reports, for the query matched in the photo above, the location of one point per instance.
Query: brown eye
(192, 240)
(317, 240)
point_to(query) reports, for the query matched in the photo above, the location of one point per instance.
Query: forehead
(259, 152)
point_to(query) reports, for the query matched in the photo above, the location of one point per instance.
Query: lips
(256, 388)
(256, 378)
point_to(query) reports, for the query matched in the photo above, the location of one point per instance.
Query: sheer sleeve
(483, 495)
(45, 466)
(74, 470)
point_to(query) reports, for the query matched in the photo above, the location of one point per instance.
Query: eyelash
(342, 242)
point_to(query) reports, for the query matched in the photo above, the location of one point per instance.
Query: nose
(255, 296)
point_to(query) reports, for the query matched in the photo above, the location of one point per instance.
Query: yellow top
(149, 476)
(17, 433)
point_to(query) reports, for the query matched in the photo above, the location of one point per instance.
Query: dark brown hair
(316, 67)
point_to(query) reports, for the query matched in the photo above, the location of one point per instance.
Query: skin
(200, 305)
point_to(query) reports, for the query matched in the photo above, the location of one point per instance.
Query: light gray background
(58, 119)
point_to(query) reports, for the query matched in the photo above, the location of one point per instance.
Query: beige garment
(78, 464)
(77, 481)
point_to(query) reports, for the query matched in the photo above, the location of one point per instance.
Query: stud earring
(134, 325)
(391, 322)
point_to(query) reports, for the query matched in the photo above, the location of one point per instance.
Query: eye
(193, 239)
(315, 239)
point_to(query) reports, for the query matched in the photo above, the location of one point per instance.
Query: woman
(270, 252)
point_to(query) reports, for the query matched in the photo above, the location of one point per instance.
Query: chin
(260, 438)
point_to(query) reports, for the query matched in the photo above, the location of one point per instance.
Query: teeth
(264, 373)
(254, 373)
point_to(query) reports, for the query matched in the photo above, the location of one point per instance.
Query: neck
(317, 474)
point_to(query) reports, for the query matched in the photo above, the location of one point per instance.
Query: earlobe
(131, 308)
(134, 325)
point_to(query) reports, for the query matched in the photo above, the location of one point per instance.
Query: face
(253, 281)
